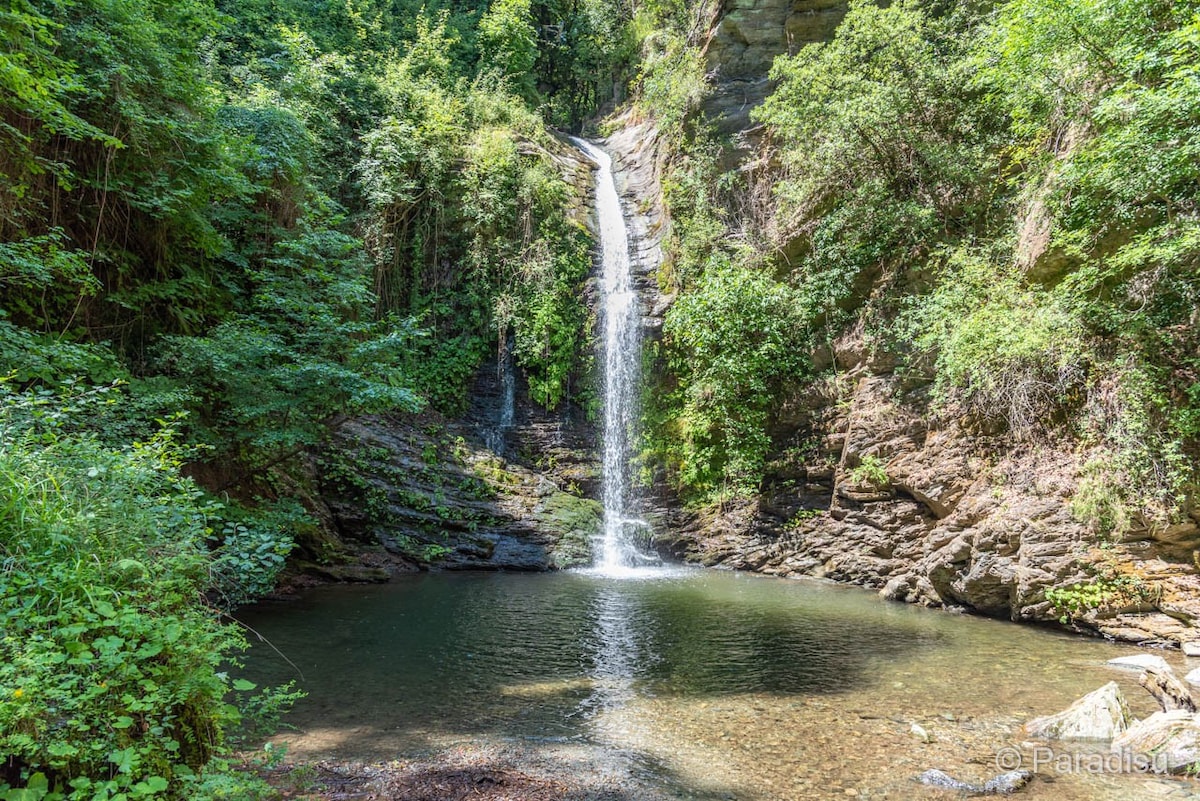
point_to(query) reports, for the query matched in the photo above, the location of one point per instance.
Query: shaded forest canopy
(226, 227)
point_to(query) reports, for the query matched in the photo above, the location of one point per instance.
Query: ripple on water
(715, 682)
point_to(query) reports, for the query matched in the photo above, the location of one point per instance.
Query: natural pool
(688, 683)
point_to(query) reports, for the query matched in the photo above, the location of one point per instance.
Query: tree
(508, 43)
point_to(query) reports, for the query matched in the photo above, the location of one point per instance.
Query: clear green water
(710, 684)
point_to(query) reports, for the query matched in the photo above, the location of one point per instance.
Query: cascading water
(496, 436)
(621, 322)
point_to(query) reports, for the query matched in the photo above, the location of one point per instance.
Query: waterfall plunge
(621, 321)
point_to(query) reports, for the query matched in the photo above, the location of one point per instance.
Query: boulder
(1139, 662)
(921, 733)
(1165, 742)
(1168, 690)
(1004, 784)
(1099, 715)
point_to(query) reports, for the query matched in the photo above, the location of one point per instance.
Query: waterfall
(621, 322)
(496, 435)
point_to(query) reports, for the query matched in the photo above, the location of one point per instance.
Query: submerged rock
(348, 574)
(1003, 784)
(1099, 715)
(921, 733)
(1139, 662)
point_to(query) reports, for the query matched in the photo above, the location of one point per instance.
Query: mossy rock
(574, 522)
(351, 574)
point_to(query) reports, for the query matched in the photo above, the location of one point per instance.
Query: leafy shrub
(870, 472)
(1009, 353)
(1107, 590)
(250, 554)
(1141, 476)
(112, 667)
(730, 343)
(673, 79)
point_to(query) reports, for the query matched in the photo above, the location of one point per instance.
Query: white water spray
(622, 352)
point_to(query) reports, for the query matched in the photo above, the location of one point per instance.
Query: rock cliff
(869, 483)
(747, 37)
(948, 516)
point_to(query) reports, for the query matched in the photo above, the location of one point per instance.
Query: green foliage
(884, 147)
(463, 178)
(136, 198)
(897, 158)
(112, 673)
(301, 356)
(549, 323)
(207, 176)
(673, 79)
(38, 82)
(250, 549)
(508, 43)
(699, 231)
(40, 261)
(1007, 352)
(271, 215)
(731, 344)
(1079, 599)
(1107, 590)
(1098, 94)
(1124, 193)
(870, 472)
(1141, 475)
(876, 136)
(586, 54)
(47, 358)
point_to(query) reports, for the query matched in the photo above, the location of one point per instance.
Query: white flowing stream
(621, 322)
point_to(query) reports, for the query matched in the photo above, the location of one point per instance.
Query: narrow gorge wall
(955, 515)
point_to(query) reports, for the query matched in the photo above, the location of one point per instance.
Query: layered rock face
(930, 511)
(413, 493)
(747, 37)
(638, 158)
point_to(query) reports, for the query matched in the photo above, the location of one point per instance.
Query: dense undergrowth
(1003, 196)
(225, 228)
